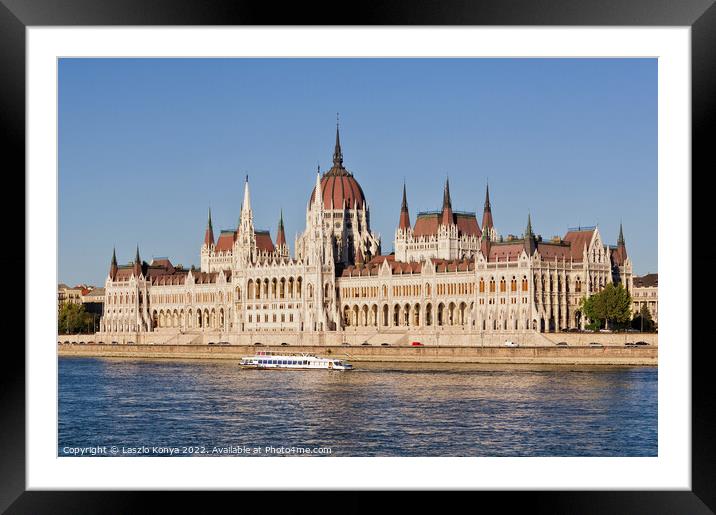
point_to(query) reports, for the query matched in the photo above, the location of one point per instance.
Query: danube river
(127, 407)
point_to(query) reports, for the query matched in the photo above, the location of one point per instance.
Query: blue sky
(146, 146)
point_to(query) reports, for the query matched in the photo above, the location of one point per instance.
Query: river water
(192, 407)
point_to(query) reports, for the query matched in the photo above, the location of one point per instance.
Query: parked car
(641, 343)
(258, 343)
(417, 344)
(365, 343)
(595, 344)
(211, 343)
(224, 343)
(630, 344)
(284, 343)
(509, 343)
(345, 343)
(562, 344)
(385, 344)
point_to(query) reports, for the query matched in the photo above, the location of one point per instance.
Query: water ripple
(380, 409)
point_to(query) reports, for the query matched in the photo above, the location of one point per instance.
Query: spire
(137, 264)
(447, 218)
(620, 256)
(209, 234)
(246, 205)
(318, 192)
(528, 229)
(530, 242)
(404, 213)
(280, 236)
(113, 266)
(337, 153)
(487, 222)
(446, 195)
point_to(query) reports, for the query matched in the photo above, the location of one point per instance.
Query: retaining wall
(607, 355)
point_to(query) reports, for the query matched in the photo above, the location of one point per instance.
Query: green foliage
(609, 307)
(643, 320)
(73, 319)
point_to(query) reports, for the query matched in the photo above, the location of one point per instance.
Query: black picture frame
(16, 15)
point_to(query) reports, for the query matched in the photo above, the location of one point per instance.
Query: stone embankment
(580, 349)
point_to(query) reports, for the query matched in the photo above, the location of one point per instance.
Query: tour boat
(293, 361)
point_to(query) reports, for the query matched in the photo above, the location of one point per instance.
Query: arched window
(525, 285)
(482, 285)
(513, 284)
(503, 285)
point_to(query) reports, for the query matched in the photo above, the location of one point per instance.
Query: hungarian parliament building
(447, 270)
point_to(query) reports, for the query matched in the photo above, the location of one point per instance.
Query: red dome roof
(338, 186)
(340, 189)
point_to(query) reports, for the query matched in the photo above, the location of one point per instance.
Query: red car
(416, 344)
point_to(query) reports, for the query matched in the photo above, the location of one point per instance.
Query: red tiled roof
(503, 251)
(618, 255)
(578, 239)
(647, 281)
(427, 224)
(204, 277)
(340, 189)
(162, 262)
(549, 251)
(263, 241)
(379, 259)
(467, 224)
(226, 241)
(453, 265)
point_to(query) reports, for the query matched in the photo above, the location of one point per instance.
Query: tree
(612, 306)
(72, 319)
(643, 320)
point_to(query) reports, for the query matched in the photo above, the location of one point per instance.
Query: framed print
(454, 278)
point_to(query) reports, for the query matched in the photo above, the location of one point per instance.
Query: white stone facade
(454, 274)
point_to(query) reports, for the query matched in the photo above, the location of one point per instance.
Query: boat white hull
(271, 361)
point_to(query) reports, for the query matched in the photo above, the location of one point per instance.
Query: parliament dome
(339, 188)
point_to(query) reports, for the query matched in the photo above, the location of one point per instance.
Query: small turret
(209, 234)
(487, 222)
(447, 217)
(530, 240)
(404, 223)
(280, 235)
(137, 264)
(113, 266)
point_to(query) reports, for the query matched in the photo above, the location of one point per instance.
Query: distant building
(67, 294)
(646, 292)
(93, 301)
